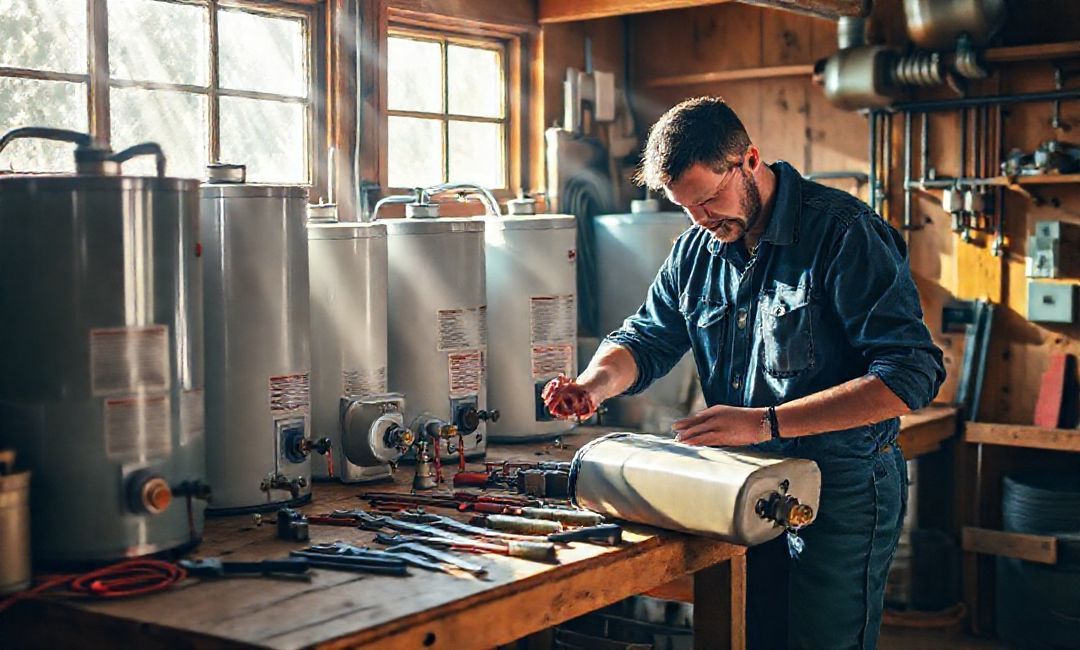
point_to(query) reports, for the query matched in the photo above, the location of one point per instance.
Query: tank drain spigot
(148, 493)
(784, 509)
(279, 481)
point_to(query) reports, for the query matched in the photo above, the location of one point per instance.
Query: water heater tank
(101, 379)
(630, 249)
(348, 268)
(532, 311)
(438, 322)
(258, 368)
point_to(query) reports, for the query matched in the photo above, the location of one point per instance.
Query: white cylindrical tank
(257, 345)
(532, 314)
(630, 249)
(741, 497)
(348, 329)
(438, 321)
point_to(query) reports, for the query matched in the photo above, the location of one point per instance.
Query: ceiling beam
(561, 11)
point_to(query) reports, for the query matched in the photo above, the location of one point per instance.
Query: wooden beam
(720, 605)
(565, 11)
(1033, 52)
(1018, 435)
(828, 9)
(923, 431)
(1033, 548)
(770, 72)
(514, 16)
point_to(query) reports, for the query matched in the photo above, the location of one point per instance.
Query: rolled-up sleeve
(656, 335)
(869, 282)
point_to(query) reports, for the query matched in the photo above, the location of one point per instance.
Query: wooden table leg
(720, 605)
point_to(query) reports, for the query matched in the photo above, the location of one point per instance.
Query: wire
(121, 580)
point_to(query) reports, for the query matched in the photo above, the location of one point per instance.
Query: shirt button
(737, 382)
(780, 310)
(741, 318)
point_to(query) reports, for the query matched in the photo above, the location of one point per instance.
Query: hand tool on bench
(437, 555)
(518, 525)
(537, 551)
(215, 567)
(352, 558)
(610, 534)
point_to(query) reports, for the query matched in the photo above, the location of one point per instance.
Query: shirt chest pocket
(706, 321)
(787, 337)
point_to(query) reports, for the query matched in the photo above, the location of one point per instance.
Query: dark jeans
(833, 594)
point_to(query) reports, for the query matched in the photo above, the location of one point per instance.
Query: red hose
(120, 580)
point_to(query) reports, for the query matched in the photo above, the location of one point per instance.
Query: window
(44, 78)
(250, 104)
(447, 111)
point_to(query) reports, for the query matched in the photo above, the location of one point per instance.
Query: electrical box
(1045, 247)
(1051, 302)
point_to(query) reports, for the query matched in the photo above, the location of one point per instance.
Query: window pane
(28, 102)
(476, 154)
(159, 41)
(267, 136)
(175, 120)
(43, 35)
(414, 152)
(475, 81)
(262, 53)
(414, 75)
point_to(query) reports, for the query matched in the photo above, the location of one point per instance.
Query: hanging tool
(215, 567)
(610, 534)
(537, 551)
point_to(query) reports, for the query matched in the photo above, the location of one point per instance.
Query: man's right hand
(566, 399)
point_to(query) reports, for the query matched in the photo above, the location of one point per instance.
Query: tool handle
(489, 508)
(471, 479)
(284, 565)
(521, 525)
(564, 516)
(538, 551)
(610, 533)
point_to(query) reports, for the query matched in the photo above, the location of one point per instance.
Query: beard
(733, 229)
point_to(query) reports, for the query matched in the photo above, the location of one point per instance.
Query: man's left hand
(722, 426)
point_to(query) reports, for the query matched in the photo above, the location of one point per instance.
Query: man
(805, 325)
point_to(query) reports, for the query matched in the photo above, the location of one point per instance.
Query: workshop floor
(894, 638)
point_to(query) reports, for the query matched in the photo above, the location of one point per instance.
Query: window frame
(508, 48)
(99, 82)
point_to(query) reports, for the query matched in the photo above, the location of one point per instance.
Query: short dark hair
(700, 130)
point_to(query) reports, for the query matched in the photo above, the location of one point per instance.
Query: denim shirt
(827, 298)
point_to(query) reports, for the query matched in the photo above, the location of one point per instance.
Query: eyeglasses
(723, 199)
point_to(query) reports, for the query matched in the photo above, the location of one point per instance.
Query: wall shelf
(1020, 435)
(768, 72)
(1042, 179)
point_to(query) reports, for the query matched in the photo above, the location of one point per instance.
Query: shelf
(1033, 52)
(923, 431)
(769, 72)
(1020, 435)
(1022, 546)
(1043, 179)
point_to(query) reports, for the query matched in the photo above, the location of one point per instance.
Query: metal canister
(630, 249)
(257, 319)
(741, 497)
(532, 311)
(438, 321)
(15, 574)
(101, 382)
(348, 332)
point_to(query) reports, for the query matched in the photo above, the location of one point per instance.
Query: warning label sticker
(138, 427)
(466, 373)
(192, 416)
(462, 329)
(549, 361)
(363, 381)
(126, 360)
(290, 393)
(553, 319)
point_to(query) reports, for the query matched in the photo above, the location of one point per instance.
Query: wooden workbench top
(339, 609)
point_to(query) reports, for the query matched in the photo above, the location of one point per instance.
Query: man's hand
(722, 426)
(566, 399)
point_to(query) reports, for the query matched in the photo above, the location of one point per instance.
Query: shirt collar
(783, 228)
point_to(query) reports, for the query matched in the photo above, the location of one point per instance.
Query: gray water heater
(258, 388)
(101, 381)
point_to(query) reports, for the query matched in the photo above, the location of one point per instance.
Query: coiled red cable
(120, 580)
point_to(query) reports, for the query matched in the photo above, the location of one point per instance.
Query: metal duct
(937, 24)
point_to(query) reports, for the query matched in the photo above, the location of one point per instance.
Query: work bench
(339, 609)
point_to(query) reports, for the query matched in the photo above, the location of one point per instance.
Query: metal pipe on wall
(991, 100)
(907, 175)
(873, 117)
